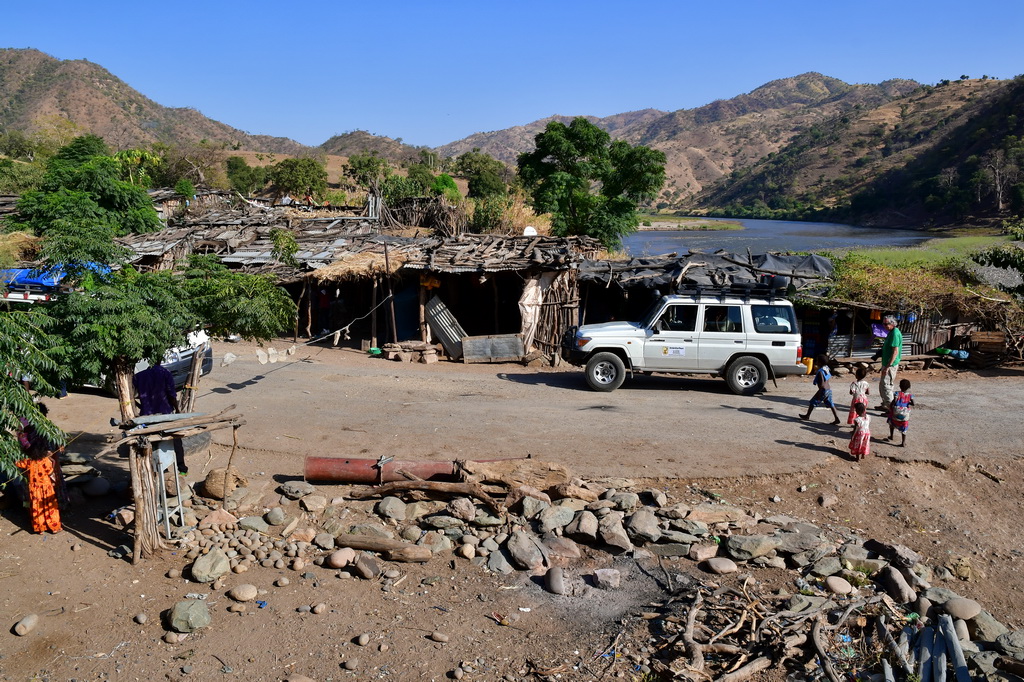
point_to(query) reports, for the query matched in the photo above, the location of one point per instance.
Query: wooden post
(187, 399)
(494, 286)
(391, 296)
(424, 328)
(309, 312)
(373, 315)
(147, 531)
(305, 289)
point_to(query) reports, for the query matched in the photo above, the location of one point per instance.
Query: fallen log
(353, 470)
(440, 487)
(393, 550)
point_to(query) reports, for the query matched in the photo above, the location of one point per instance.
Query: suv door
(722, 335)
(672, 344)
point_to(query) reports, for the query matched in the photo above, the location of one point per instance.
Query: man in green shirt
(891, 350)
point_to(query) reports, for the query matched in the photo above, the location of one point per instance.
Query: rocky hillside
(362, 142)
(706, 144)
(929, 156)
(35, 86)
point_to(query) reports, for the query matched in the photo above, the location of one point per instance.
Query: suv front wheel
(746, 376)
(605, 372)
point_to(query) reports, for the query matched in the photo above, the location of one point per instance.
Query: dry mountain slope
(34, 85)
(893, 152)
(705, 144)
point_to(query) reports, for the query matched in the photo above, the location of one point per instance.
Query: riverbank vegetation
(661, 221)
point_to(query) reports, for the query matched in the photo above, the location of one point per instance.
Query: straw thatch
(18, 246)
(354, 266)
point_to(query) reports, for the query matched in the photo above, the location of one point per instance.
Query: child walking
(860, 442)
(899, 412)
(859, 389)
(38, 464)
(823, 396)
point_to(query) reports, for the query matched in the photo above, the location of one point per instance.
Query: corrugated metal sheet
(494, 348)
(445, 327)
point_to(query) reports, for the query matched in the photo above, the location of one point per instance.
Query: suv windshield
(773, 319)
(651, 316)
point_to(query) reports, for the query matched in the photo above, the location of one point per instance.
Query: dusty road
(684, 436)
(329, 401)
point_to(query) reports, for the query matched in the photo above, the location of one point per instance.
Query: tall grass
(931, 252)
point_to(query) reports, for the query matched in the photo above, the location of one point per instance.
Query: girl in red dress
(860, 442)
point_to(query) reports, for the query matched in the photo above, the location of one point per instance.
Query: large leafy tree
(485, 174)
(590, 184)
(84, 188)
(299, 176)
(367, 171)
(27, 348)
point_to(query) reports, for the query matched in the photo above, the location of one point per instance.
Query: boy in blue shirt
(823, 396)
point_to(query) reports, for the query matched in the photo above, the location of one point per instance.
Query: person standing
(891, 352)
(155, 388)
(823, 396)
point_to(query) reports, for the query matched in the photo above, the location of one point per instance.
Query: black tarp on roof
(707, 271)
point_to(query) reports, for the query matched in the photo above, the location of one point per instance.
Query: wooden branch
(819, 645)
(695, 650)
(747, 671)
(188, 421)
(469, 489)
(890, 643)
(393, 550)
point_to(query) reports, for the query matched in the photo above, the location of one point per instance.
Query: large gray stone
(896, 586)
(625, 501)
(498, 562)
(555, 516)
(721, 565)
(391, 508)
(803, 602)
(961, 608)
(794, 543)
(670, 549)
(442, 521)
(562, 548)
(211, 566)
(940, 595)
(643, 527)
(462, 508)
(255, 523)
(678, 537)
(189, 615)
(677, 511)
(275, 517)
(371, 529)
(866, 566)
(295, 490)
(583, 527)
(1011, 643)
(698, 528)
(898, 555)
(607, 578)
(532, 506)
(554, 580)
(314, 504)
(717, 513)
(747, 547)
(526, 551)
(827, 566)
(612, 533)
(985, 628)
(837, 585)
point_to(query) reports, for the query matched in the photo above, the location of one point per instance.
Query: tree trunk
(123, 371)
(187, 399)
(147, 530)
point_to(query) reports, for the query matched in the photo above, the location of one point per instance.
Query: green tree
(299, 176)
(17, 177)
(27, 347)
(590, 184)
(445, 186)
(83, 185)
(396, 188)
(422, 175)
(245, 179)
(228, 302)
(367, 171)
(485, 174)
(138, 166)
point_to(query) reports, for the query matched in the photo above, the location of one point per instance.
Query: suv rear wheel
(746, 376)
(605, 372)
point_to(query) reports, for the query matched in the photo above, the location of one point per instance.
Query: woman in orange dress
(38, 464)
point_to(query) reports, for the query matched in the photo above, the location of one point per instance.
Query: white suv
(746, 339)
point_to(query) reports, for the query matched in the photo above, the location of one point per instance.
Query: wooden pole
(147, 530)
(424, 328)
(305, 287)
(373, 314)
(309, 311)
(494, 287)
(391, 296)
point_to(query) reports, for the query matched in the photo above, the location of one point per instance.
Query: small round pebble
(383, 647)
(392, 573)
(319, 608)
(350, 664)
(304, 609)
(174, 573)
(457, 673)
(237, 608)
(363, 639)
(140, 618)
(721, 565)
(439, 637)
(282, 582)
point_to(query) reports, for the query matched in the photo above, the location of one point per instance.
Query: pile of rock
(410, 351)
(547, 533)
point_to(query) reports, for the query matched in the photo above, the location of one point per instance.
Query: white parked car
(745, 339)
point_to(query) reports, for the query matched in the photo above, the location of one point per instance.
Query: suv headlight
(582, 341)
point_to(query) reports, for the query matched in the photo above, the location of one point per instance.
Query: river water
(762, 236)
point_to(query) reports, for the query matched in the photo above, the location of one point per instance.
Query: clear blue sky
(435, 72)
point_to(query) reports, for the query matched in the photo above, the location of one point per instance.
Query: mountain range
(794, 144)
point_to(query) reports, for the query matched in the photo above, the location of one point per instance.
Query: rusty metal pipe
(349, 470)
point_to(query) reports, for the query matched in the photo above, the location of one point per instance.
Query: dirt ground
(955, 492)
